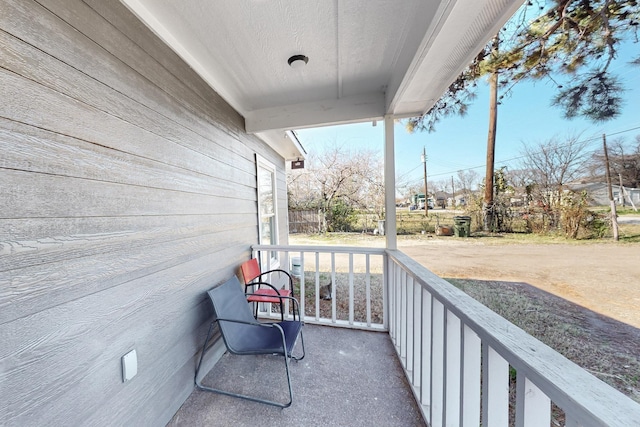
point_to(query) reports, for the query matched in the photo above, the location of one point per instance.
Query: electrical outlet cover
(129, 365)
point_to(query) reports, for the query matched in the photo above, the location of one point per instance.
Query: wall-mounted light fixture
(298, 61)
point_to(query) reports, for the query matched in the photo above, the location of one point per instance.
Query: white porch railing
(456, 353)
(358, 295)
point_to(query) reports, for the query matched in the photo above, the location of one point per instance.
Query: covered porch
(463, 364)
(131, 138)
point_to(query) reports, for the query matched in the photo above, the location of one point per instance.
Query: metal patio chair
(243, 335)
(265, 292)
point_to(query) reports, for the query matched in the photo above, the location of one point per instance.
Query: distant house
(599, 194)
(461, 199)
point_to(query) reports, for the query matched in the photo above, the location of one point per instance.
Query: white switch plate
(129, 365)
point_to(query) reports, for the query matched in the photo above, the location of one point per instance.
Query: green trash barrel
(462, 226)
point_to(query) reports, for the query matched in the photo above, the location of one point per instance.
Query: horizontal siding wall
(127, 189)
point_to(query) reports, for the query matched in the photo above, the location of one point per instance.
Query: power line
(595, 138)
(408, 172)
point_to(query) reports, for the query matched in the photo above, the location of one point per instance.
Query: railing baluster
(403, 317)
(495, 388)
(533, 407)
(471, 370)
(390, 300)
(417, 334)
(395, 291)
(409, 320)
(452, 363)
(351, 308)
(391, 291)
(266, 307)
(334, 286)
(302, 298)
(386, 260)
(317, 297)
(438, 327)
(425, 340)
(286, 284)
(398, 304)
(367, 281)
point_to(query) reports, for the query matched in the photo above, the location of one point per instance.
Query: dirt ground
(589, 293)
(604, 278)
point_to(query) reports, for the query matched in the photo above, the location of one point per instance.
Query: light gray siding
(127, 189)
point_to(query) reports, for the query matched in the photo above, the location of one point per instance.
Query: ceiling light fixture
(298, 61)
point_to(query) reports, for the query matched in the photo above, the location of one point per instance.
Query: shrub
(573, 213)
(341, 217)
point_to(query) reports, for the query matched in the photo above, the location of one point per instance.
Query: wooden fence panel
(307, 221)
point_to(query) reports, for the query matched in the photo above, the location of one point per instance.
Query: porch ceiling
(367, 58)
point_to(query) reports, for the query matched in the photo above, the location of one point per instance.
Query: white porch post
(390, 183)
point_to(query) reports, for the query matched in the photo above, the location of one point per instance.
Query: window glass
(267, 210)
(265, 180)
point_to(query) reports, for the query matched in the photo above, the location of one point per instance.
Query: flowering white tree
(337, 180)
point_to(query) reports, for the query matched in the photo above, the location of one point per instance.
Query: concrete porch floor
(348, 378)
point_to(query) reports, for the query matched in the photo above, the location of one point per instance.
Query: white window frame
(262, 163)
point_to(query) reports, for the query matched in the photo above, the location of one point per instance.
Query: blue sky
(526, 117)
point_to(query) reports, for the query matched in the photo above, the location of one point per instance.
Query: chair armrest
(277, 271)
(295, 301)
(281, 297)
(268, 325)
(296, 304)
(258, 324)
(257, 284)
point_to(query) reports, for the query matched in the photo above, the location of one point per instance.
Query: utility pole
(491, 143)
(621, 190)
(426, 194)
(453, 193)
(614, 214)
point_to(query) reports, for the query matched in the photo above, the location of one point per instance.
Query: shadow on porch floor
(348, 378)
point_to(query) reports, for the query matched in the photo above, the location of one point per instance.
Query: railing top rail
(314, 248)
(588, 399)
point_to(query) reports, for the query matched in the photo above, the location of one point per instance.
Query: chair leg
(204, 350)
(255, 399)
(297, 359)
(202, 387)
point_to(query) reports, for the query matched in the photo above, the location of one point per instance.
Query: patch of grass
(630, 233)
(342, 239)
(325, 307)
(412, 230)
(604, 347)
(415, 222)
(627, 210)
